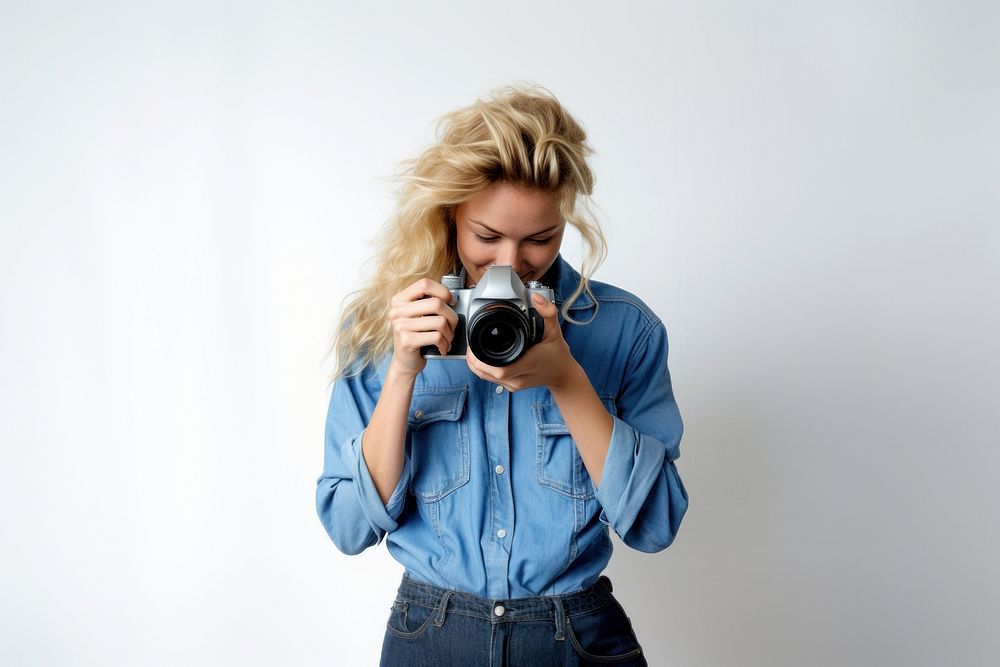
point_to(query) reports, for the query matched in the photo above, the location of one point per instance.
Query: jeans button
(499, 610)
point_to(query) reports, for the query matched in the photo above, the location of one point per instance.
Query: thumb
(546, 309)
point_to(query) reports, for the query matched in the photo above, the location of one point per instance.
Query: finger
(416, 340)
(548, 311)
(546, 308)
(423, 307)
(478, 367)
(421, 324)
(501, 375)
(422, 288)
(452, 317)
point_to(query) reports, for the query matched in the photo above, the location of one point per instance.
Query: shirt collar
(564, 279)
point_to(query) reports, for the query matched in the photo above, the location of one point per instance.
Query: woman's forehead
(508, 209)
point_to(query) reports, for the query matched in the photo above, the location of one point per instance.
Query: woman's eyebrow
(487, 227)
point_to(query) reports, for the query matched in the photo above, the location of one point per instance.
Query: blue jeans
(435, 627)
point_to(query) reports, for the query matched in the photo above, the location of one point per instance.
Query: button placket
(501, 502)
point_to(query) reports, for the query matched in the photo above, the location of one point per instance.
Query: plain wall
(806, 193)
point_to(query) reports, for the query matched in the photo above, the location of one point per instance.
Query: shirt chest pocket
(558, 464)
(439, 442)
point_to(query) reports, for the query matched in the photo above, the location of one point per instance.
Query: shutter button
(499, 610)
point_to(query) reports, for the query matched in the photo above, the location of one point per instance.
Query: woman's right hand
(420, 315)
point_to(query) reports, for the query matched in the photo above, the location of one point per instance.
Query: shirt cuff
(631, 468)
(381, 517)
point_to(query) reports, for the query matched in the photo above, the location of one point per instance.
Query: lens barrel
(499, 333)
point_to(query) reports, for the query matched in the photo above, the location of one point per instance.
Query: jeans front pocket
(605, 636)
(439, 441)
(558, 464)
(408, 620)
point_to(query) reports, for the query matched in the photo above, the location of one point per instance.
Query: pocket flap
(436, 404)
(550, 421)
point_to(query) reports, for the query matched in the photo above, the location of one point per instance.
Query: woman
(496, 486)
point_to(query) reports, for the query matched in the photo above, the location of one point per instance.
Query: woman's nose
(509, 254)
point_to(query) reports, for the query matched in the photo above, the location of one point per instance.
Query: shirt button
(418, 414)
(501, 533)
(499, 390)
(499, 610)
(499, 470)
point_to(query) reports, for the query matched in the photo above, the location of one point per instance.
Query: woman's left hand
(547, 363)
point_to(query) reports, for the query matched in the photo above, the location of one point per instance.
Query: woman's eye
(494, 239)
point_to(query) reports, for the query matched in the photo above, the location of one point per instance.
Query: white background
(806, 193)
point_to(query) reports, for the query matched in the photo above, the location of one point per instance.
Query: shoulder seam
(642, 341)
(650, 317)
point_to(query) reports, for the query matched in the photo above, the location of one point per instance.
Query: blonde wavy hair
(520, 135)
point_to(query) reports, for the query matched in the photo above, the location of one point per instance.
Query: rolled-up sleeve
(347, 502)
(641, 493)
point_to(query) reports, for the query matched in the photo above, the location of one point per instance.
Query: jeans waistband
(505, 610)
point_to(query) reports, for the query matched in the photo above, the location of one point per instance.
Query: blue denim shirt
(494, 498)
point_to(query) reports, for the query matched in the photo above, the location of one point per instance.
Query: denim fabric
(435, 627)
(494, 498)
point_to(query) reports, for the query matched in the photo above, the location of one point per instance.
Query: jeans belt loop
(442, 608)
(560, 619)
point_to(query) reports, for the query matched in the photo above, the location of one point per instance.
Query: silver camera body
(496, 318)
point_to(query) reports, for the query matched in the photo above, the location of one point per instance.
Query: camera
(496, 319)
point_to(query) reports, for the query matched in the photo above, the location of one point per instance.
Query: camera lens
(499, 339)
(498, 333)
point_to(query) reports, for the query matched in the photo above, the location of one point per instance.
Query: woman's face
(508, 224)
